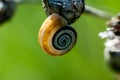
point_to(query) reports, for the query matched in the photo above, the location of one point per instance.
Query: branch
(97, 12)
(88, 9)
(27, 1)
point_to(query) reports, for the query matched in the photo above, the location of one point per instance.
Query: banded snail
(56, 36)
(56, 40)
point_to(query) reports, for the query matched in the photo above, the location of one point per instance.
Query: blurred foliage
(21, 57)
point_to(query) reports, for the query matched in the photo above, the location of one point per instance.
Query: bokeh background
(21, 57)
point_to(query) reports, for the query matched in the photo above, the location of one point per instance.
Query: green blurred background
(21, 57)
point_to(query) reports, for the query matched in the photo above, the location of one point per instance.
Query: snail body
(71, 10)
(55, 36)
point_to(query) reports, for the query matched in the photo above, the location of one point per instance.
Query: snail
(56, 40)
(7, 9)
(56, 36)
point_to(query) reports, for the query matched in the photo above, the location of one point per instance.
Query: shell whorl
(64, 38)
(55, 36)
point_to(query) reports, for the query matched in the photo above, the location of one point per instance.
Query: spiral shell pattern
(55, 36)
(64, 38)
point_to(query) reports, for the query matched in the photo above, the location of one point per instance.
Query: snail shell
(55, 36)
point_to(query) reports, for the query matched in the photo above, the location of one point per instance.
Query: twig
(88, 9)
(27, 1)
(97, 12)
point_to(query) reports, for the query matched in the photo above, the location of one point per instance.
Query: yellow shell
(47, 32)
